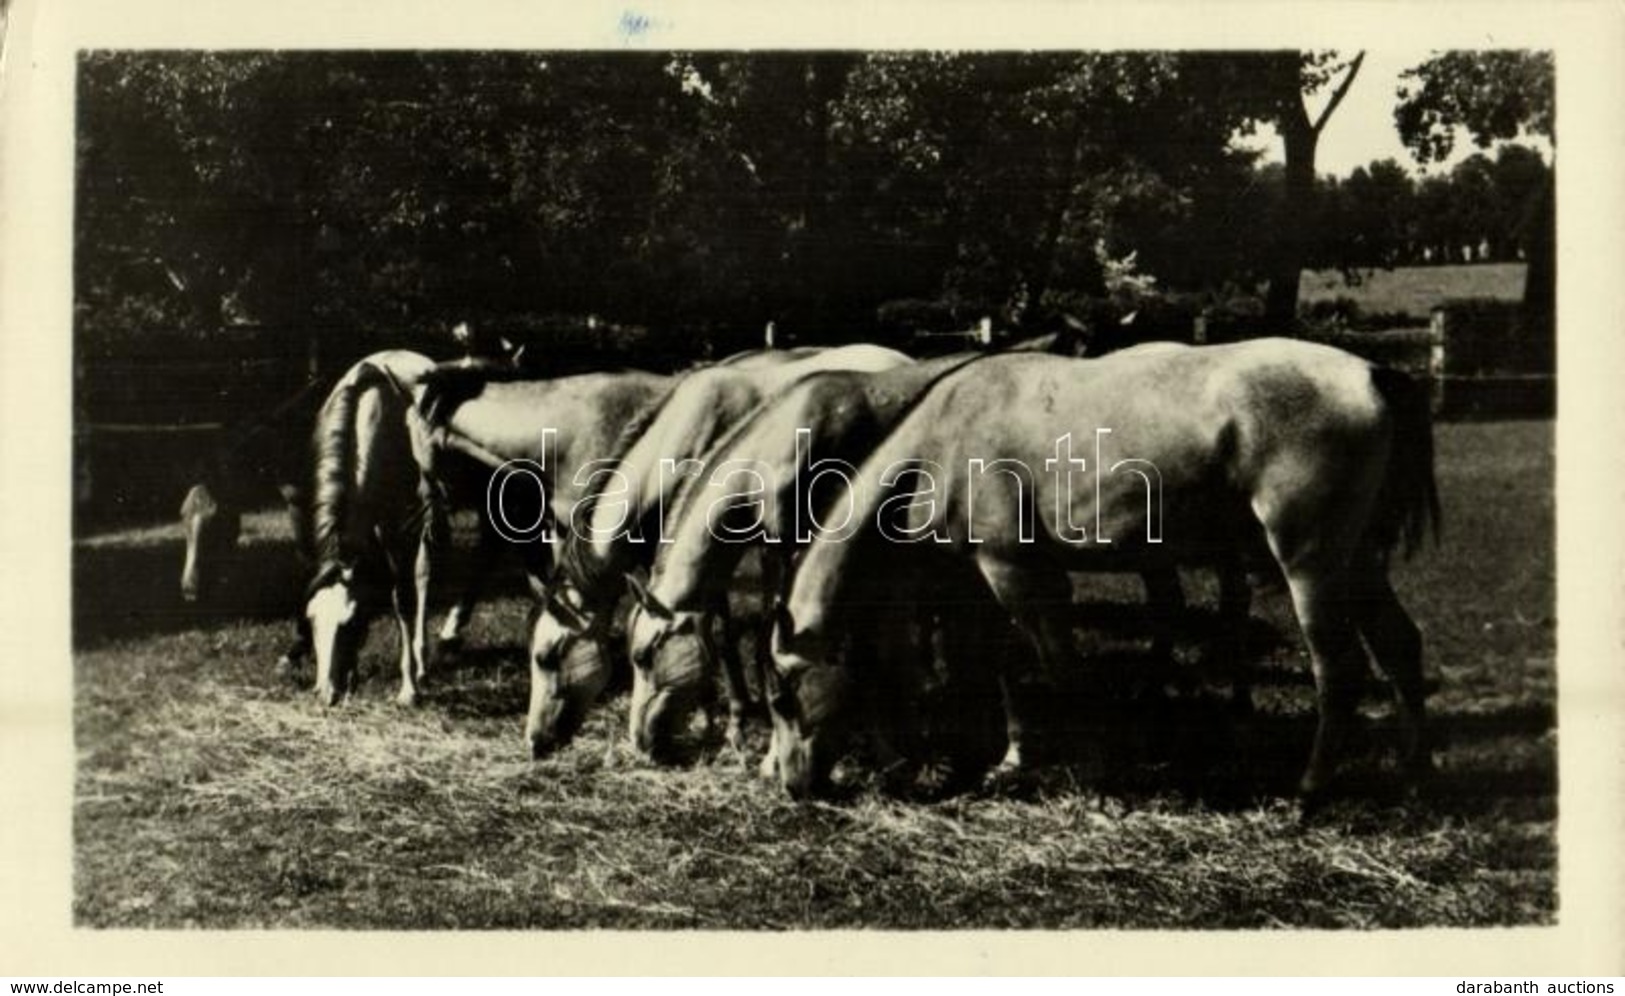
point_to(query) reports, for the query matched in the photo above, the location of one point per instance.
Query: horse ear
(566, 614)
(646, 599)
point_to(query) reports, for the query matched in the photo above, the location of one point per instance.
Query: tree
(382, 195)
(1275, 88)
(1378, 205)
(1494, 95)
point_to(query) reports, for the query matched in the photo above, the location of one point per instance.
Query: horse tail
(1408, 502)
(333, 472)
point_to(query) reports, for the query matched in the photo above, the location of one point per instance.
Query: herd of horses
(899, 511)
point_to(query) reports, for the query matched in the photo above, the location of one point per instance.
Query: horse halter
(671, 625)
(576, 624)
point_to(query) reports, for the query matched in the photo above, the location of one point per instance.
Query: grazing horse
(538, 433)
(269, 457)
(614, 531)
(840, 416)
(1198, 455)
(371, 516)
(256, 462)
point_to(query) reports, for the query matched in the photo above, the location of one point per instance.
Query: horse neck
(695, 564)
(814, 596)
(685, 427)
(896, 400)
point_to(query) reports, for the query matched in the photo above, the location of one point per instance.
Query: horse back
(1208, 433)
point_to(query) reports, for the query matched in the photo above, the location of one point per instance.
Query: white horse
(1197, 455)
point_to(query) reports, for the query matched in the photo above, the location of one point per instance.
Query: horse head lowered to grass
(371, 521)
(541, 439)
(615, 530)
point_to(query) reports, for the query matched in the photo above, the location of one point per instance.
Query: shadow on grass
(1090, 735)
(128, 592)
(1200, 748)
(124, 592)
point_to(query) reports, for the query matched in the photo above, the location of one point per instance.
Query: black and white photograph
(649, 482)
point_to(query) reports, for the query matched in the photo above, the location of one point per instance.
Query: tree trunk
(1540, 285)
(1043, 270)
(1539, 319)
(1292, 245)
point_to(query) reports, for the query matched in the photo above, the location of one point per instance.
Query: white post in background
(1436, 358)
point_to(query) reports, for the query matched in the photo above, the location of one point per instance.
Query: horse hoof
(406, 698)
(1003, 779)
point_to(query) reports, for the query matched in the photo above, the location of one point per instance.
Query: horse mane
(592, 577)
(449, 385)
(690, 486)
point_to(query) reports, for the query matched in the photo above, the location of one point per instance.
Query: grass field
(1415, 290)
(212, 793)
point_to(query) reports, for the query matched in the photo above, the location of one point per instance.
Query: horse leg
(1235, 606)
(1037, 600)
(774, 579)
(298, 649)
(421, 570)
(1320, 600)
(403, 591)
(733, 674)
(1396, 646)
(885, 715)
(485, 552)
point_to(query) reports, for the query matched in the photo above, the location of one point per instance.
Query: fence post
(313, 356)
(1436, 357)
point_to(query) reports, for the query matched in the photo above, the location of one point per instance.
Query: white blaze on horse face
(642, 630)
(667, 675)
(568, 673)
(546, 708)
(547, 638)
(638, 728)
(329, 610)
(198, 510)
(808, 708)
